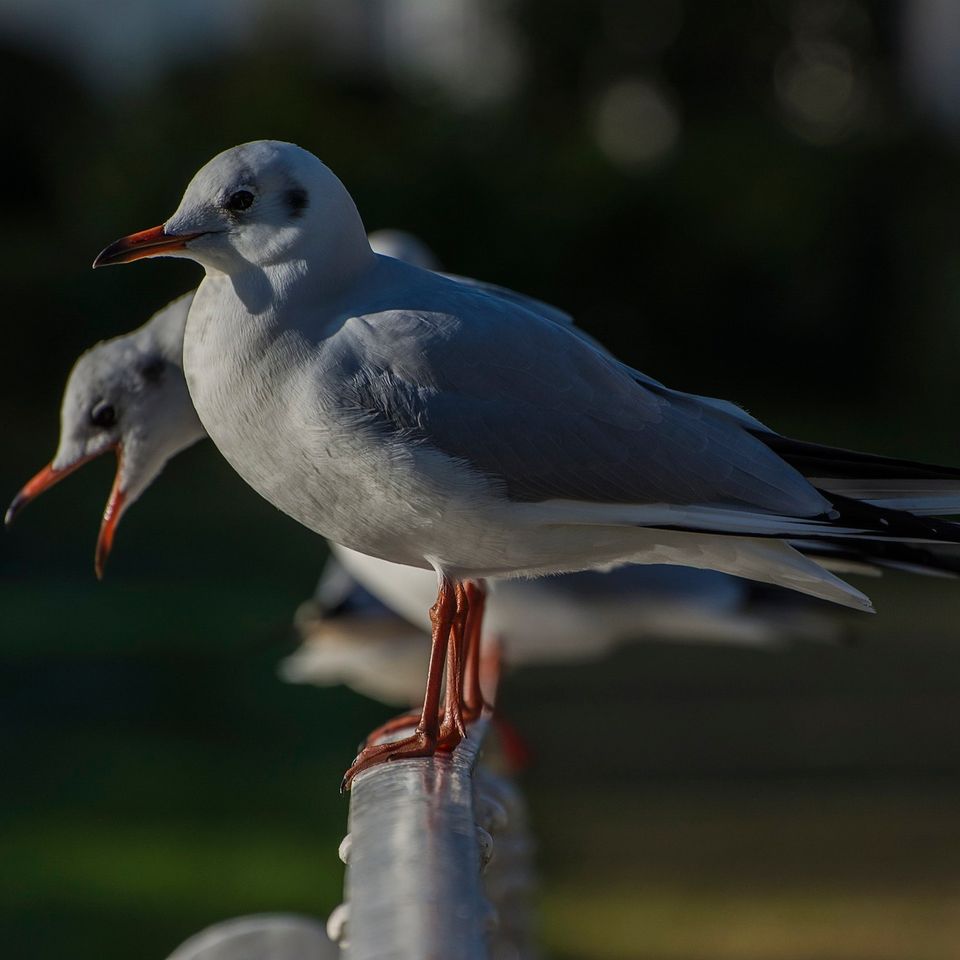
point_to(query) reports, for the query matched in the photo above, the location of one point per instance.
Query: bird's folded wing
(548, 416)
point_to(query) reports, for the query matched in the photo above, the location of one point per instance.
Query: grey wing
(548, 416)
(546, 310)
(549, 312)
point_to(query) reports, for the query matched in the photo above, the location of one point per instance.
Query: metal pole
(413, 878)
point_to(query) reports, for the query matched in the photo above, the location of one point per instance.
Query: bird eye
(103, 415)
(239, 200)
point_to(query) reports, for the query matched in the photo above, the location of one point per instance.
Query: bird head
(127, 396)
(260, 204)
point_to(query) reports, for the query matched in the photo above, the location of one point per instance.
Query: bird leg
(474, 701)
(464, 645)
(491, 670)
(454, 684)
(423, 742)
(453, 729)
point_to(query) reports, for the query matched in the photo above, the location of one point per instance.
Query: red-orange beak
(111, 517)
(49, 476)
(146, 243)
(46, 478)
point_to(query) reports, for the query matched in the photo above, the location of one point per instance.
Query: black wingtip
(887, 522)
(819, 460)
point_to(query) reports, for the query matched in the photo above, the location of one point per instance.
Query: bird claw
(402, 722)
(420, 744)
(417, 745)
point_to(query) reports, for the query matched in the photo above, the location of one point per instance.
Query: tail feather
(778, 563)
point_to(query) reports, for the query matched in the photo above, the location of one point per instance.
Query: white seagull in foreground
(268, 936)
(427, 422)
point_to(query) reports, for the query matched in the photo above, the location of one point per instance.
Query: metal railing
(438, 868)
(438, 863)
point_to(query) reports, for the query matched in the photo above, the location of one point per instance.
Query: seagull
(372, 633)
(413, 418)
(267, 936)
(128, 396)
(350, 637)
(576, 616)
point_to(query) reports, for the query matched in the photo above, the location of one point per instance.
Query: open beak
(111, 517)
(147, 243)
(49, 476)
(46, 478)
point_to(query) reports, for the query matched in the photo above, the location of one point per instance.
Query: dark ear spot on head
(152, 370)
(297, 200)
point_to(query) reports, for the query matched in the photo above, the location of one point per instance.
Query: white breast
(262, 392)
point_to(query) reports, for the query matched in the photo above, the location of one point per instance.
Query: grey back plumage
(552, 417)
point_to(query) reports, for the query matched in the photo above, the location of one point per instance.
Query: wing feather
(547, 415)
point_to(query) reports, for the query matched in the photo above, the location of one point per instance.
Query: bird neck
(336, 255)
(323, 265)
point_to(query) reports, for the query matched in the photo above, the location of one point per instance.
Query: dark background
(756, 200)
